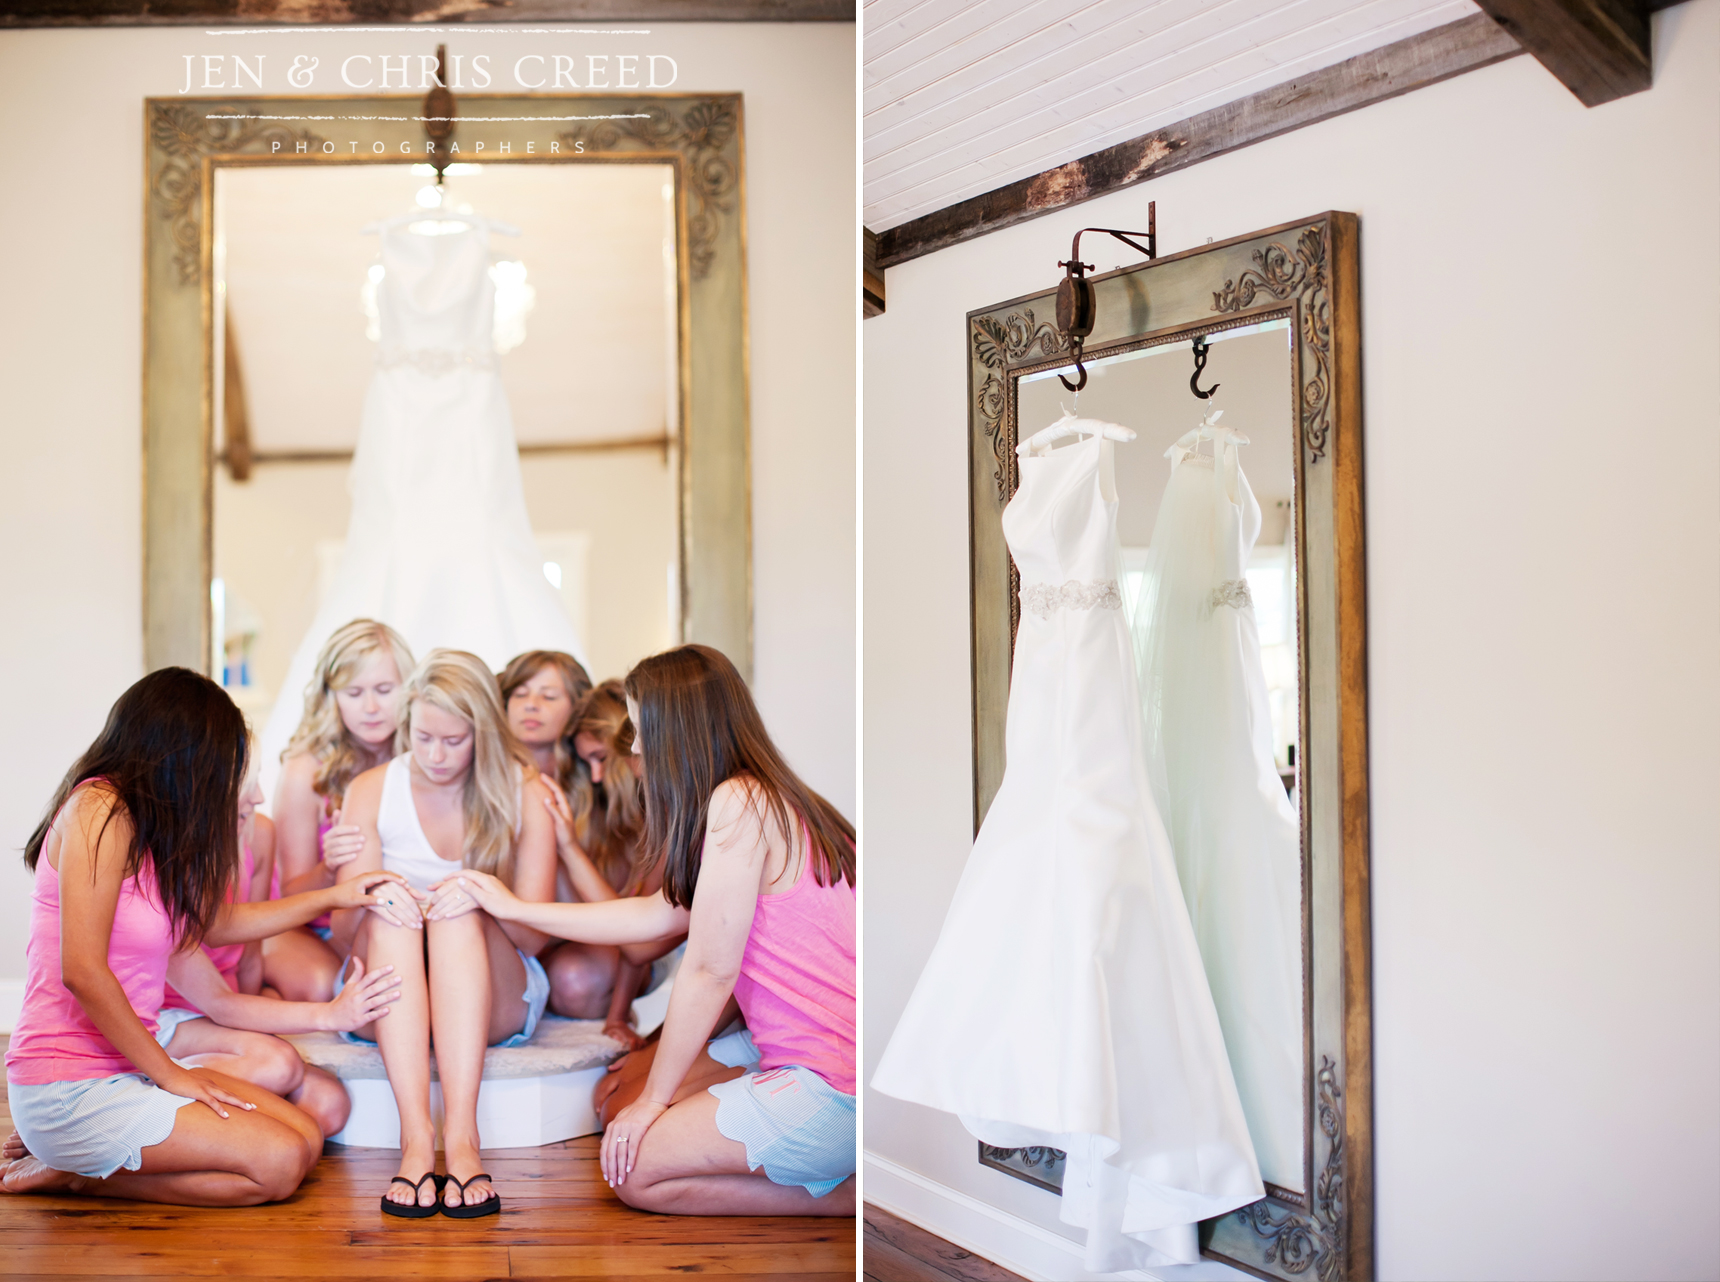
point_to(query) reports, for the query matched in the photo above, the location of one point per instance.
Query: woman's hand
(470, 889)
(341, 844)
(450, 898)
(190, 1086)
(620, 1151)
(364, 999)
(567, 847)
(386, 894)
(625, 1034)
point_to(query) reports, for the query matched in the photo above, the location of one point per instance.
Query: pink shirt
(54, 1040)
(796, 986)
(225, 956)
(323, 825)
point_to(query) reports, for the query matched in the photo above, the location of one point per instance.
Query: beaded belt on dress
(1045, 600)
(436, 361)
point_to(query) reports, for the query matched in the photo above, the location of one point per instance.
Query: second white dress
(1235, 835)
(1064, 1003)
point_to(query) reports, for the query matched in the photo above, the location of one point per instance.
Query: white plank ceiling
(964, 96)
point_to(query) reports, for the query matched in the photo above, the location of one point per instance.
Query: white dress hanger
(1041, 441)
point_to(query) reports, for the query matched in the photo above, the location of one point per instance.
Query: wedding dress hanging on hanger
(438, 543)
(1208, 729)
(1064, 1003)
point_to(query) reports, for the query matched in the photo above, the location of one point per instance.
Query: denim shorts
(96, 1126)
(795, 1124)
(536, 999)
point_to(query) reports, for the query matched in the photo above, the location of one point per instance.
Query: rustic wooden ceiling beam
(871, 276)
(1425, 59)
(263, 13)
(1598, 49)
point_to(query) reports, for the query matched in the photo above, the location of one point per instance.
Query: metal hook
(1077, 308)
(1080, 369)
(1200, 353)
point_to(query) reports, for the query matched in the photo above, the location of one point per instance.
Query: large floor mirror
(593, 271)
(1283, 930)
(613, 240)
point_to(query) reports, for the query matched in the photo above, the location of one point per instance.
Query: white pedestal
(513, 1112)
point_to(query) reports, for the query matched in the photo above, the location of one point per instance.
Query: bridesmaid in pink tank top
(134, 857)
(212, 1016)
(350, 724)
(759, 871)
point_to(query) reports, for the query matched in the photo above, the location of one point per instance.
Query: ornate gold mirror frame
(1309, 271)
(187, 139)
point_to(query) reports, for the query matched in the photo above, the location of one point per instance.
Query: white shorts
(96, 1126)
(795, 1124)
(169, 1018)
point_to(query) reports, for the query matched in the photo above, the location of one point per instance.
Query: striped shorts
(95, 1126)
(795, 1124)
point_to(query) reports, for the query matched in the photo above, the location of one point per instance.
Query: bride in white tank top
(464, 795)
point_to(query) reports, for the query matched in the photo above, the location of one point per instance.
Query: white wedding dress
(1064, 1003)
(438, 544)
(1234, 833)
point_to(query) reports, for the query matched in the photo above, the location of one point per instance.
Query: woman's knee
(580, 983)
(274, 1065)
(325, 1100)
(643, 1194)
(302, 971)
(466, 931)
(278, 1159)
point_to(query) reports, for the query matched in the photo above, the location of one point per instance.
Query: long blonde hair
(460, 684)
(611, 832)
(321, 732)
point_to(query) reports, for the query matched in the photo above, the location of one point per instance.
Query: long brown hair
(321, 731)
(172, 755)
(609, 816)
(522, 668)
(459, 683)
(701, 728)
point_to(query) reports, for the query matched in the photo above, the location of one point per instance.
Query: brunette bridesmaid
(540, 689)
(601, 823)
(133, 861)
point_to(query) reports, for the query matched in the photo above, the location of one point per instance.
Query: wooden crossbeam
(871, 277)
(1598, 49)
(1425, 59)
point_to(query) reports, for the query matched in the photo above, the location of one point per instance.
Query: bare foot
(463, 1163)
(31, 1175)
(415, 1160)
(13, 1148)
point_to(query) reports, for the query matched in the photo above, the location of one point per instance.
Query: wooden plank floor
(559, 1221)
(897, 1251)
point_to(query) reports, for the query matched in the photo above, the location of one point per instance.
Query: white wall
(1541, 313)
(70, 355)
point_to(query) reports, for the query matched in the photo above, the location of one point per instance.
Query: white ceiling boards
(964, 96)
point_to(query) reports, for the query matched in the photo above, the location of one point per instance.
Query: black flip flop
(411, 1210)
(492, 1205)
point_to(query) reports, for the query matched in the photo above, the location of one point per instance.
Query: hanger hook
(1080, 369)
(1200, 354)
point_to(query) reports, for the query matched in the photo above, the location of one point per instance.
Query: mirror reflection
(315, 347)
(1205, 520)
